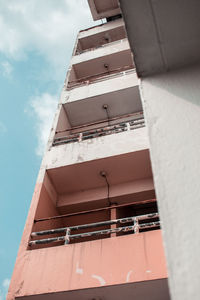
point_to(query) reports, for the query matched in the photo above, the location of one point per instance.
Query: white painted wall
(172, 109)
(100, 28)
(101, 147)
(123, 81)
(109, 49)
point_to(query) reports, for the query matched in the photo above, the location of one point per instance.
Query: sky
(37, 38)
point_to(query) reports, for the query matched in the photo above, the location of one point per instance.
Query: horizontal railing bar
(98, 132)
(47, 241)
(88, 131)
(101, 232)
(117, 221)
(93, 225)
(75, 236)
(151, 224)
(84, 226)
(114, 230)
(94, 210)
(94, 233)
(67, 140)
(103, 121)
(121, 125)
(104, 223)
(101, 76)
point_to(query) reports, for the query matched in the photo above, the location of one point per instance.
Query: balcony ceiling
(102, 38)
(164, 35)
(103, 8)
(119, 103)
(86, 175)
(151, 290)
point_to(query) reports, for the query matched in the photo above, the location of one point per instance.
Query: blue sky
(36, 42)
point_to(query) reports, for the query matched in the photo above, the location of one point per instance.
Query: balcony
(127, 266)
(100, 36)
(137, 224)
(118, 206)
(98, 129)
(86, 103)
(104, 8)
(117, 82)
(104, 61)
(96, 145)
(83, 193)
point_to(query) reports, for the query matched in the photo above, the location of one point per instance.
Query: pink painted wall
(43, 204)
(130, 258)
(116, 260)
(97, 197)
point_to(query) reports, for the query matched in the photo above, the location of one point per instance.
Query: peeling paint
(19, 288)
(101, 280)
(129, 275)
(80, 158)
(78, 270)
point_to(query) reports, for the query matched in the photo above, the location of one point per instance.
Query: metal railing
(83, 135)
(122, 71)
(67, 237)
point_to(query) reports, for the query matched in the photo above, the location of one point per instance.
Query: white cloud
(4, 288)
(6, 283)
(6, 69)
(47, 27)
(43, 109)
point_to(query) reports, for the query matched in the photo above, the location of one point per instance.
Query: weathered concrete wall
(101, 52)
(123, 192)
(104, 262)
(109, 85)
(172, 108)
(102, 28)
(97, 148)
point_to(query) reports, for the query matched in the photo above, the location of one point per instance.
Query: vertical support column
(80, 137)
(172, 111)
(67, 236)
(113, 216)
(136, 226)
(128, 126)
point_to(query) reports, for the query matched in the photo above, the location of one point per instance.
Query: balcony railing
(100, 131)
(142, 222)
(126, 70)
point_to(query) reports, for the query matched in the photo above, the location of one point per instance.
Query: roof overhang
(163, 35)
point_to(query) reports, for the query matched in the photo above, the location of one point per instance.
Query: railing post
(113, 216)
(136, 226)
(128, 126)
(67, 236)
(80, 137)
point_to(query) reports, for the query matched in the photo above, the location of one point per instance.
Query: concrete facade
(93, 227)
(172, 108)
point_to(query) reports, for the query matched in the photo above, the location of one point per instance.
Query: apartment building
(93, 230)
(164, 36)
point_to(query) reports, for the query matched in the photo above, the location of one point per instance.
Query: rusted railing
(67, 237)
(83, 135)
